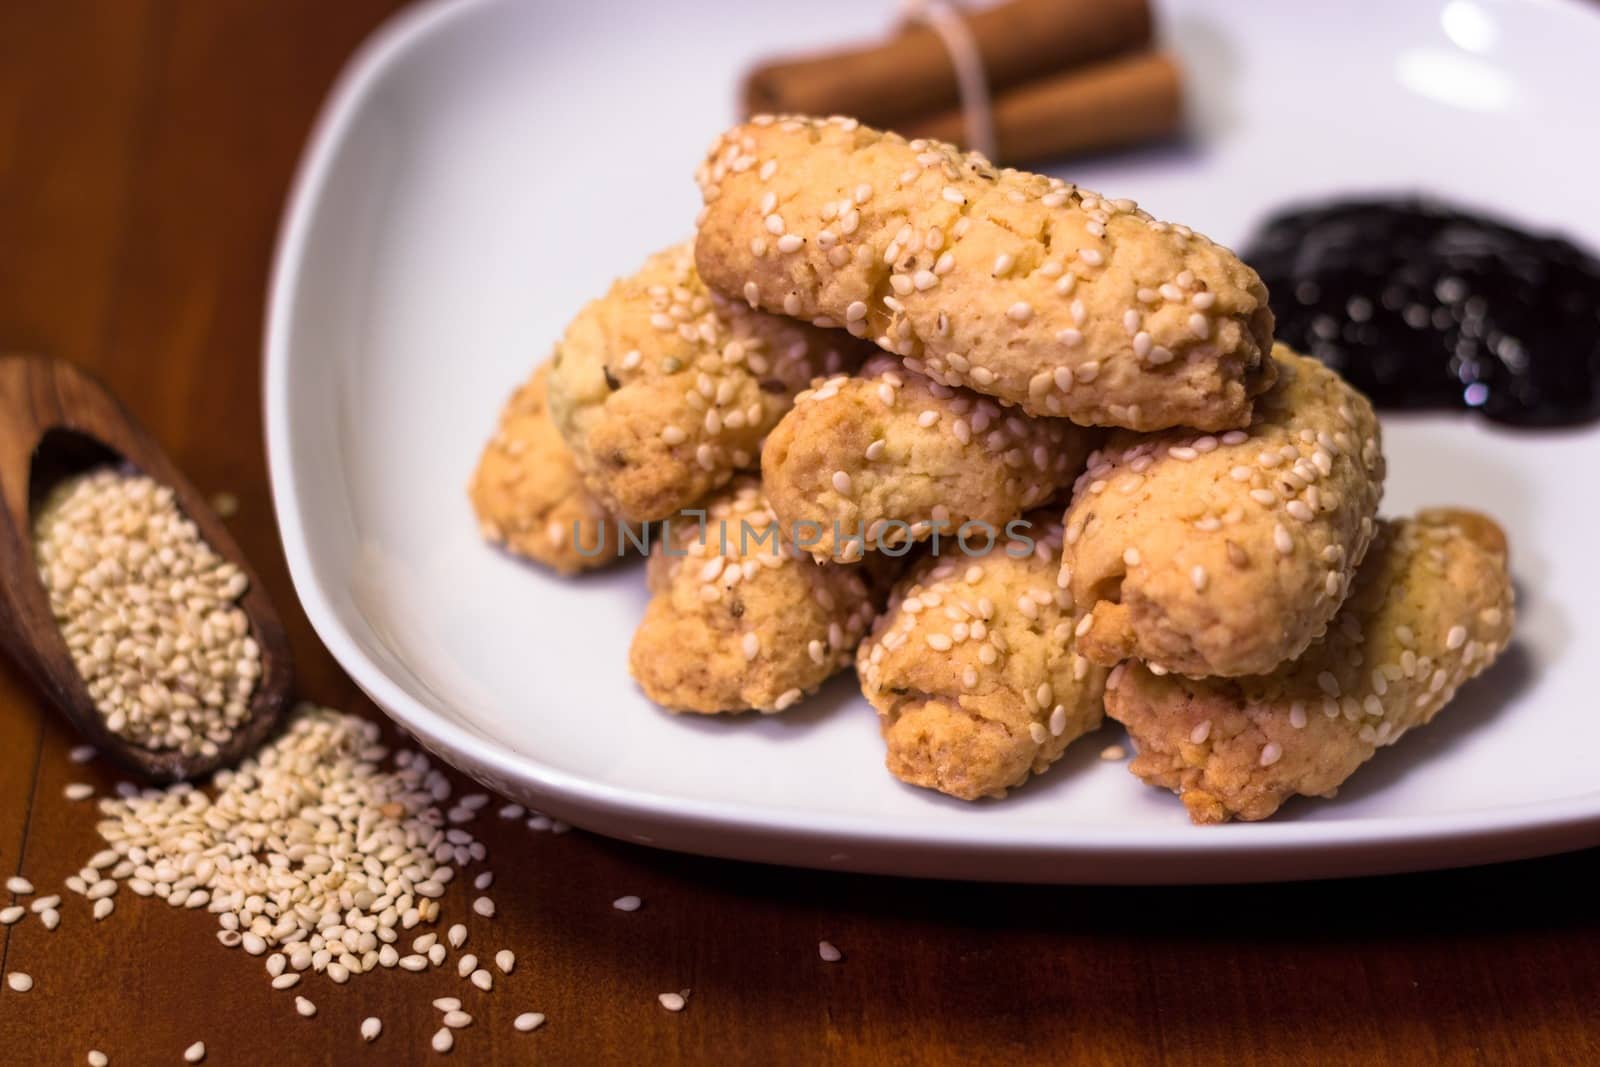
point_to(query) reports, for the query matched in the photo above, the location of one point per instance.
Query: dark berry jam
(1421, 305)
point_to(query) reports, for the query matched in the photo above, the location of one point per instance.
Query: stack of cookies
(1022, 454)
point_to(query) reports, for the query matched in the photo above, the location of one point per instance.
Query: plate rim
(1551, 825)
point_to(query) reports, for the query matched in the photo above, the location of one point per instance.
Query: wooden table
(145, 150)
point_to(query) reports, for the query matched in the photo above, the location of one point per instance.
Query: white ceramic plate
(485, 167)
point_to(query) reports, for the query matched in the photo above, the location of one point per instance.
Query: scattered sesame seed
(841, 482)
(19, 885)
(304, 1007)
(528, 1021)
(672, 1001)
(506, 960)
(443, 1040)
(1113, 752)
(19, 981)
(483, 906)
(1198, 735)
(1271, 752)
(81, 753)
(78, 791)
(456, 1020)
(1455, 638)
(627, 903)
(195, 1052)
(828, 952)
(482, 979)
(371, 1027)
(97, 1058)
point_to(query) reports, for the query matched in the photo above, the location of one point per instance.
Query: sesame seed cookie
(1016, 285)
(662, 389)
(1431, 608)
(739, 619)
(1225, 555)
(876, 460)
(972, 671)
(528, 495)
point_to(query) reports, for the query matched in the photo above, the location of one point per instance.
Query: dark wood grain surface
(145, 150)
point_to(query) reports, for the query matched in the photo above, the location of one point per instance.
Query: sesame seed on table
(147, 157)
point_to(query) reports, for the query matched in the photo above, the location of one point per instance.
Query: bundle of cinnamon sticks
(1064, 77)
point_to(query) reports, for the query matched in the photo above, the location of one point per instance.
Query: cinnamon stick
(911, 73)
(1112, 104)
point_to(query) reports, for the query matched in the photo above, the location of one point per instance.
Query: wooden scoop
(56, 421)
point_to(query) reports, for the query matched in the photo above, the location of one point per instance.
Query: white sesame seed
(14, 914)
(1198, 578)
(506, 960)
(627, 903)
(456, 935)
(96, 1058)
(81, 753)
(483, 906)
(528, 1021)
(443, 1040)
(482, 979)
(1021, 311)
(19, 885)
(195, 1052)
(457, 1019)
(19, 981)
(1271, 752)
(304, 1007)
(1455, 638)
(286, 981)
(1198, 735)
(371, 1027)
(828, 952)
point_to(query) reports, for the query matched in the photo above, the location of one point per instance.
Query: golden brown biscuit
(739, 619)
(1014, 284)
(528, 495)
(876, 460)
(1225, 555)
(1431, 608)
(662, 389)
(972, 671)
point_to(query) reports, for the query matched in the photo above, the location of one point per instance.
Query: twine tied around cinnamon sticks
(972, 80)
(1059, 77)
